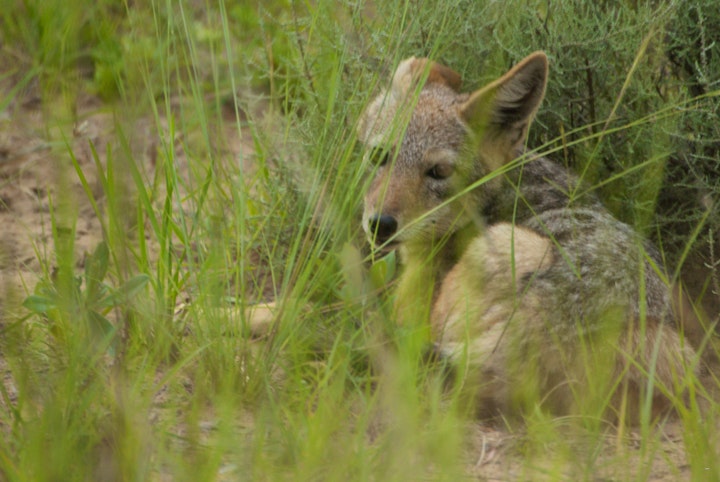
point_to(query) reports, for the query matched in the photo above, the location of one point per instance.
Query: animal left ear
(505, 108)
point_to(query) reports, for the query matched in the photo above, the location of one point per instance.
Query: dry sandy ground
(34, 162)
(32, 166)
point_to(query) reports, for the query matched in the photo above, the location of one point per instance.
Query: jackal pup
(535, 293)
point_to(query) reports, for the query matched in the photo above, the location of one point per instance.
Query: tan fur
(535, 298)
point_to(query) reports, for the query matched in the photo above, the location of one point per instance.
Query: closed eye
(439, 172)
(439, 163)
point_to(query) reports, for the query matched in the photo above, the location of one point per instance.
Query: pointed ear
(388, 108)
(410, 71)
(505, 108)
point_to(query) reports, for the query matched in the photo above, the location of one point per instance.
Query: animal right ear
(505, 108)
(375, 126)
(411, 70)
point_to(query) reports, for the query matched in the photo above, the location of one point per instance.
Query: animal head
(426, 142)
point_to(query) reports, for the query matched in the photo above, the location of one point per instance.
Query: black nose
(382, 227)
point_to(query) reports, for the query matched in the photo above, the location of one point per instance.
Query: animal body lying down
(533, 289)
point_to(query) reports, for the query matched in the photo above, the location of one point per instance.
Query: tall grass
(140, 360)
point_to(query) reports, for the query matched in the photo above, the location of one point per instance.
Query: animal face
(416, 173)
(427, 142)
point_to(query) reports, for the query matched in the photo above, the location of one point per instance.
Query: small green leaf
(382, 271)
(39, 304)
(45, 289)
(101, 328)
(126, 291)
(96, 266)
(100, 324)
